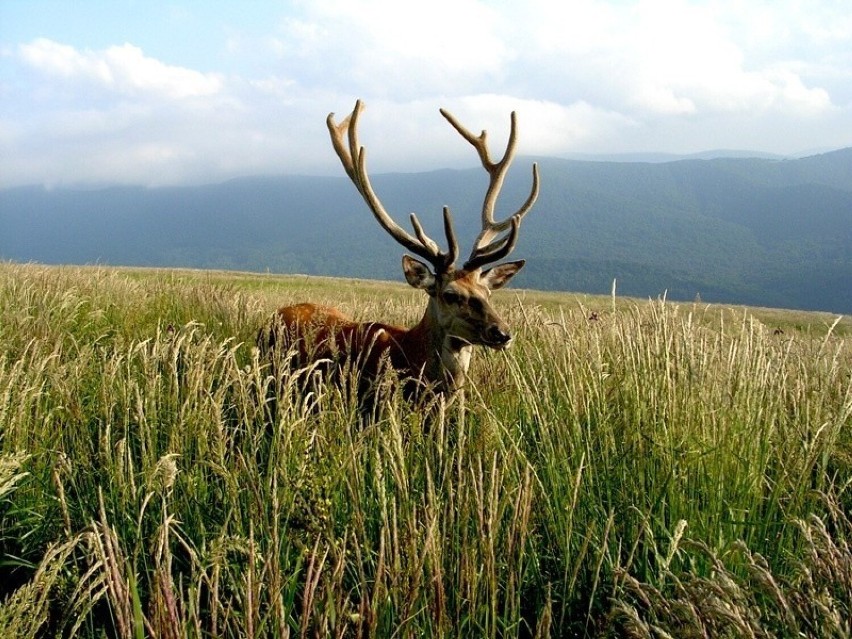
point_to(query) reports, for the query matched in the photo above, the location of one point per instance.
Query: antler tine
(353, 156)
(485, 248)
(495, 251)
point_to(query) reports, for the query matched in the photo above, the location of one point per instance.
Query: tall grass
(659, 470)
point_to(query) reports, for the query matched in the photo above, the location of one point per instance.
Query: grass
(660, 470)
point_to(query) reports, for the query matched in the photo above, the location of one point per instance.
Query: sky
(96, 92)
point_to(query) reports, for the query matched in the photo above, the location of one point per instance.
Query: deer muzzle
(497, 336)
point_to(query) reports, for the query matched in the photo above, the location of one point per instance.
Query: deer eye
(475, 304)
(451, 297)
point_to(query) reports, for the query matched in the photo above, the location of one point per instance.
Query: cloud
(544, 127)
(123, 69)
(592, 76)
(395, 49)
(667, 57)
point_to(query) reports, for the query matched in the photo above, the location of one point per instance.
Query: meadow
(628, 468)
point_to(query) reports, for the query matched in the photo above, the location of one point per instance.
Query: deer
(434, 354)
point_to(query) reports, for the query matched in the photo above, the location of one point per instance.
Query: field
(628, 469)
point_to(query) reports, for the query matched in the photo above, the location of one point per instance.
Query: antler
(353, 156)
(486, 249)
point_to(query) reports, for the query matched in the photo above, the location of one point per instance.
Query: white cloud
(685, 50)
(124, 69)
(391, 48)
(670, 57)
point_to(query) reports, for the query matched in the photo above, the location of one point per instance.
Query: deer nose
(497, 336)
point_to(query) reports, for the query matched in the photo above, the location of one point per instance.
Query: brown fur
(323, 332)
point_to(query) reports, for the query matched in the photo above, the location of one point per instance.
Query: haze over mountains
(758, 231)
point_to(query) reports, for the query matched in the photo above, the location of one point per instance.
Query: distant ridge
(758, 231)
(658, 158)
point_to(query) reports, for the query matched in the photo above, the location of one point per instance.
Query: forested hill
(752, 231)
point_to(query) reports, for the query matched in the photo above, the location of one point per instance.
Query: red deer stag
(435, 353)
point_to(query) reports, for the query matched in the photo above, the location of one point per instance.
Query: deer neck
(441, 359)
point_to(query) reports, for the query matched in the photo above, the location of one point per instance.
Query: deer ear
(417, 273)
(500, 275)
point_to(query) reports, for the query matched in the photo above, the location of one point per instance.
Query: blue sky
(157, 93)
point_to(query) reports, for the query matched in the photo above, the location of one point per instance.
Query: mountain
(672, 157)
(755, 231)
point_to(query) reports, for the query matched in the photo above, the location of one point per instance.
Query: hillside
(751, 231)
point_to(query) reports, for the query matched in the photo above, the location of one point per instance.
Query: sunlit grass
(628, 468)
